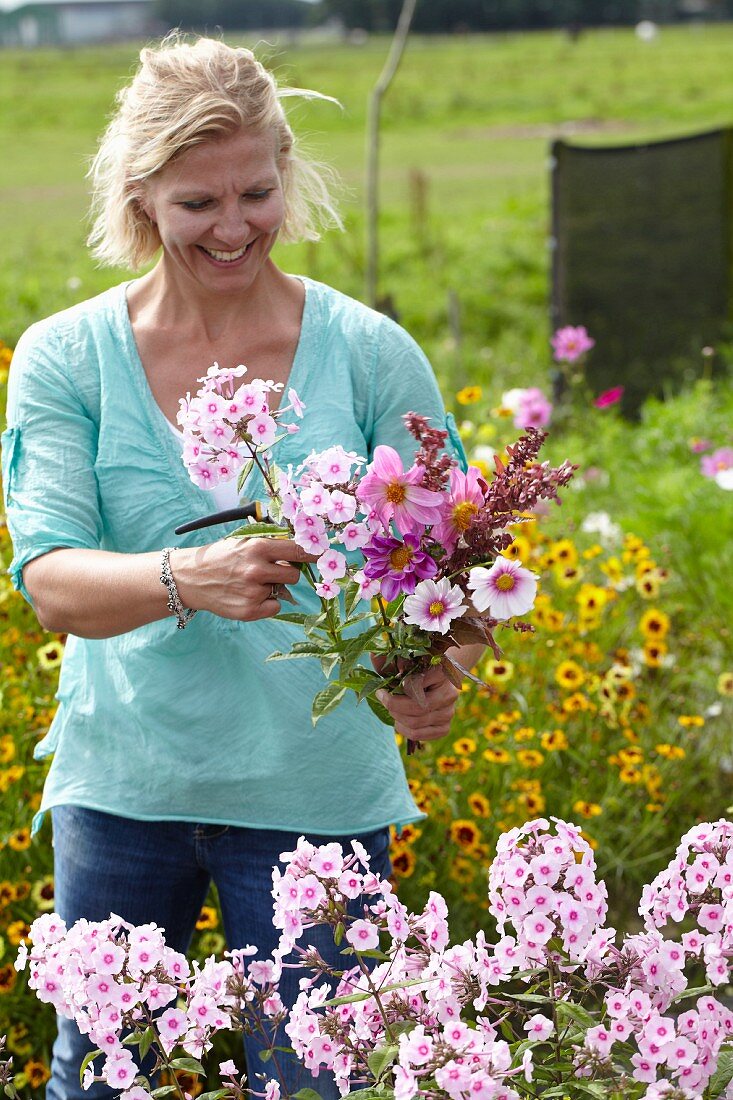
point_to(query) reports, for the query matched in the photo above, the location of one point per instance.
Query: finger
(283, 550)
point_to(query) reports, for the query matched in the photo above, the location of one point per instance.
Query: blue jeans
(160, 871)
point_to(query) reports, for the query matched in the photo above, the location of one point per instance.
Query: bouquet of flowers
(409, 562)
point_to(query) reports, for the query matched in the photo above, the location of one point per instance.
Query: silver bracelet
(183, 614)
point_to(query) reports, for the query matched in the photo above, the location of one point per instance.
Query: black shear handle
(252, 510)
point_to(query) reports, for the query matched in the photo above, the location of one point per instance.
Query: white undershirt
(224, 495)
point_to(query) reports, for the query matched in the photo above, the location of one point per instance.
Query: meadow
(617, 712)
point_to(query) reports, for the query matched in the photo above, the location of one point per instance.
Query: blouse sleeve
(48, 454)
(404, 382)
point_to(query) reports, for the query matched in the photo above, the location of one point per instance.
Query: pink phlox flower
(272, 1090)
(434, 605)
(460, 506)
(368, 587)
(396, 494)
(454, 1078)
(416, 1047)
(204, 473)
(599, 1039)
(263, 429)
(398, 565)
(47, 929)
(327, 861)
(158, 994)
(406, 1085)
(310, 533)
(354, 535)
(311, 892)
(570, 342)
(334, 465)
(137, 1092)
(315, 500)
(350, 884)
(217, 434)
(341, 508)
(539, 1027)
(264, 971)
(363, 935)
(609, 397)
(398, 924)
(361, 854)
(108, 958)
(331, 565)
(297, 405)
(504, 590)
(119, 1070)
(721, 459)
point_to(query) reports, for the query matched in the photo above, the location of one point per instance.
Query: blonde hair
(184, 94)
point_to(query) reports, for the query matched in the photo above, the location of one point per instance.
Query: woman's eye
(200, 204)
(258, 195)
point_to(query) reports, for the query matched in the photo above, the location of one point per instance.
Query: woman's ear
(142, 198)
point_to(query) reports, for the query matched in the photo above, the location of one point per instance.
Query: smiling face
(218, 208)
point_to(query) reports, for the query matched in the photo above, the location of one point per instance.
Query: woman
(181, 756)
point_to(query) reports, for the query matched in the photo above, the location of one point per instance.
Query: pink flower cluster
(422, 981)
(429, 1019)
(719, 466)
(227, 421)
(109, 976)
(543, 884)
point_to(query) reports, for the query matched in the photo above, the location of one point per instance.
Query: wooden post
(374, 108)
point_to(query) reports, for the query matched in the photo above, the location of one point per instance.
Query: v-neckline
(297, 379)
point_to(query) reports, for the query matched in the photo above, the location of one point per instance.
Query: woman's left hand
(423, 723)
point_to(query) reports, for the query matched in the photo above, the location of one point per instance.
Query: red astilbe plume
(431, 454)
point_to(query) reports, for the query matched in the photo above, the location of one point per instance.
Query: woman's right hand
(237, 578)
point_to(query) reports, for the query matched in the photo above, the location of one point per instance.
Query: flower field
(617, 712)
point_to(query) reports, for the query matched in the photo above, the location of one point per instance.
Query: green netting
(642, 255)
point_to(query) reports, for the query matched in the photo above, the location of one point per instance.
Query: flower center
(505, 582)
(396, 493)
(400, 557)
(463, 514)
(437, 607)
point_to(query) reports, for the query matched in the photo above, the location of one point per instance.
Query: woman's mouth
(221, 257)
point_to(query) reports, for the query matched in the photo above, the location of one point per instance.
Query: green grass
(474, 115)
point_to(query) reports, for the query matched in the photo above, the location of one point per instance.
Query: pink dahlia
(570, 343)
(461, 504)
(434, 604)
(712, 464)
(504, 590)
(395, 493)
(397, 565)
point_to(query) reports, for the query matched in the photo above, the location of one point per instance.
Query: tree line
(433, 16)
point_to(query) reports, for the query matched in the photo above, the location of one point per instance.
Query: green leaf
(300, 649)
(338, 933)
(244, 474)
(306, 1094)
(146, 1040)
(723, 1074)
(164, 1090)
(327, 699)
(380, 710)
(329, 663)
(251, 530)
(352, 599)
(297, 617)
(87, 1060)
(188, 1065)
(380, 1060)
(217, 1094)
(264, 1055)
(567, 1011)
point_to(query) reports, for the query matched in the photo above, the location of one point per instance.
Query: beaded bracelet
(183, 614)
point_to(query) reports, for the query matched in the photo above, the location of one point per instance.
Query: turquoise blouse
(196, 725)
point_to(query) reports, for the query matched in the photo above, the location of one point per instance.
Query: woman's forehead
(246, 155)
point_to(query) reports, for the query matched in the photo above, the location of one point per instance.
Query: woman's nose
(231, 226)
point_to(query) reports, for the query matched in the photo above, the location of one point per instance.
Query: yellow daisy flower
(208, 918)
(725, 683)
(569, 675)
(654, 624)
(587, 809)
(469, 395)
(49, 655)
(479, 804)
